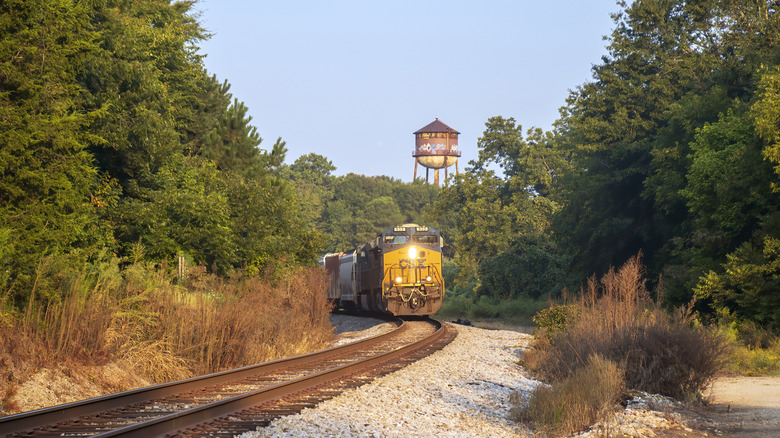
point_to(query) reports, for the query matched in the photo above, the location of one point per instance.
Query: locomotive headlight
(398, 279)
(412, 253)
(427, 278)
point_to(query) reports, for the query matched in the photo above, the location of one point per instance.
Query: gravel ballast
(462, 390)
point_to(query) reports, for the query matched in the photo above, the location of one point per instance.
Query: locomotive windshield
(395, 240)
(427, 239)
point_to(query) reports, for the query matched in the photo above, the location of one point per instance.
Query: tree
(113, 135)
(362, 206)
(672, 67)
(311, 176)
(482, 212)
(748, 284)
(49, 199)
(766, 112)
(532, 266)
(146, 76)
(184, 210)
(728, 190)
(272, 234)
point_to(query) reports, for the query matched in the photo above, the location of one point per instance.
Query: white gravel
(461, 391)
(646, 415)
(352, 328)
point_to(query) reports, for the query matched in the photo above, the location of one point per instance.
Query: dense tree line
(115, 141)
(670, 150)
(352, 209)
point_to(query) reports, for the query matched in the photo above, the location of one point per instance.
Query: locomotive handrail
(438, 276)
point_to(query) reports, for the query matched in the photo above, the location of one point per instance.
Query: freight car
(399, 273)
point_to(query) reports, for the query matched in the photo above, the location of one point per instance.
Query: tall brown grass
(162, 329)
(618, 320)
(574, 403)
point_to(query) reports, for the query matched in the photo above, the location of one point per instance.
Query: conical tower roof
(435, 126)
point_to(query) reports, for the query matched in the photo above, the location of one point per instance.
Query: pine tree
(49, 190)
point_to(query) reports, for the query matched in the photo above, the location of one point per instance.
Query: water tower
(436, 147)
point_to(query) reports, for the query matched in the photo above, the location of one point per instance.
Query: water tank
(436, 147)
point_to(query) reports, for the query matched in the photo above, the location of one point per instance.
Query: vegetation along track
(235, 401)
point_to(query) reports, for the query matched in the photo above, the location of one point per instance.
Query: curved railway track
(235, 401)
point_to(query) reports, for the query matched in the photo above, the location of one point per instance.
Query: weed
(618, 320)
(141, 316)
(575, 402)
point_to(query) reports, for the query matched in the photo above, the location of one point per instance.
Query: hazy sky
(352, 80)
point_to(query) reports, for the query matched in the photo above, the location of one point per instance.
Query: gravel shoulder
(463, 390)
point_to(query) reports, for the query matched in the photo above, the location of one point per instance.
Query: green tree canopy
(113, 134)
(47, 176)
(482, 212)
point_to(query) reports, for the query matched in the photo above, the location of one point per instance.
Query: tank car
(399, 273)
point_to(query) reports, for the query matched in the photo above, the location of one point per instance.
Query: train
(399, 272)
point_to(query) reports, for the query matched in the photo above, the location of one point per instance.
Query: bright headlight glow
(398, 279)
(412, 253)
(427, 278)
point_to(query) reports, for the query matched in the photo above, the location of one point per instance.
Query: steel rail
(192, 417)
(56, 414)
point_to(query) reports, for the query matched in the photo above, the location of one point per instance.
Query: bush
(555, 319)
(752, 361)
(575, 402)
(756, 351)
(454, 307)
(661, 353)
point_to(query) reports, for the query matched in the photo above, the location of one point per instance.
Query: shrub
(755, 351)
(661, 353)
(555, 319)
(456, 306)
(575, 402)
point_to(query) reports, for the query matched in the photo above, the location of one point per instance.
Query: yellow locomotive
(399, 272)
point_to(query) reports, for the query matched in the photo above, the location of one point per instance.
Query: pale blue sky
(351, 80)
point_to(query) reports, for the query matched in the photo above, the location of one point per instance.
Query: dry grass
(662, 353)
(20, 358)
(142, 318)
(574, 403)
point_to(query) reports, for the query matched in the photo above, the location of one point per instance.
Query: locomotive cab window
(429, 240)
(395, 240)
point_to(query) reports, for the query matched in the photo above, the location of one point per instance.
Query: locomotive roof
(414, 227)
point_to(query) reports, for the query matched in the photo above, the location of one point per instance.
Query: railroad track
(235, 401)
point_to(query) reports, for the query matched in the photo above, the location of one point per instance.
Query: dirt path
(747, 407)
